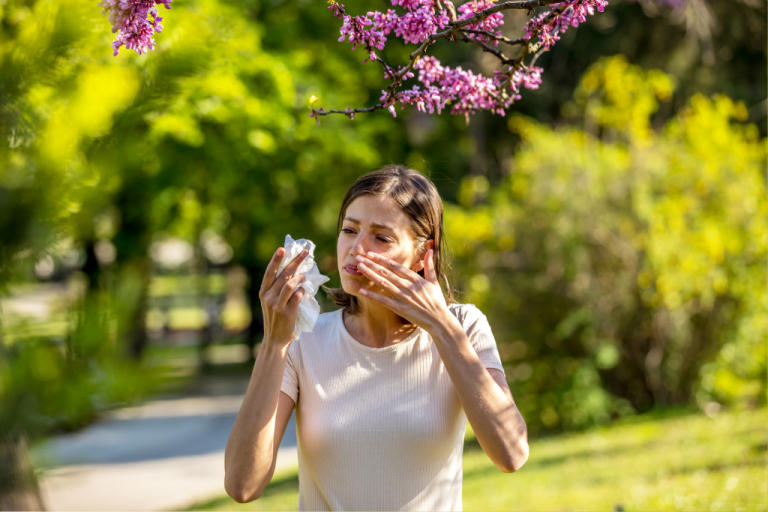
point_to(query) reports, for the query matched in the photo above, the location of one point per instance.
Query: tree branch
(458, 27)
(491, 35)
(503, 58)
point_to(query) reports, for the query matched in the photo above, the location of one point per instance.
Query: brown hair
(418, 198)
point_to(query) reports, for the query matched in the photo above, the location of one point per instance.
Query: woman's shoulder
(467, 314)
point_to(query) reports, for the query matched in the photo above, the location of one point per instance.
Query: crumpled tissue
(309, 309)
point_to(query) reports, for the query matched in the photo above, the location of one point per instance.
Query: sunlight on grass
(685, 463)
(690, 462)
(282, 493)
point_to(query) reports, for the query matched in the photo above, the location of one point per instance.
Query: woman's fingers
(271, 274)
(287, 291)
(384, 271)
(379, 276)
(293, 302)
(290, 270)
(394, 267)
(272, 281)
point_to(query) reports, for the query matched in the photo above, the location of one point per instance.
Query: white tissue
(309, 309)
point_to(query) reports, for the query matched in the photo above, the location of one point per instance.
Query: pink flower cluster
(527, 76)
(464, 90)
(354, 30)
(489, 24)
(135, 22)
(410, 5)
(418, 23)
(548, 26)
(416, 26)
(441, 86)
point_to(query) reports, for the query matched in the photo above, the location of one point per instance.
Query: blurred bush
(622, 266)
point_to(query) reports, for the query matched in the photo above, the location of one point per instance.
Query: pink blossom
(441, 86)
(489, 24)
(466, 91)
(529, 77)
(410, 5)
(135, 22)
(338, 10)
(354, 30)
(549, 26)
(418, 25)
(384, 22)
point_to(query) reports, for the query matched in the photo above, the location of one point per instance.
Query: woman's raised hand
(418, 299)
(280, 298)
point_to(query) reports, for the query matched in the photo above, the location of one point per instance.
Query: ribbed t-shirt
(379, 428)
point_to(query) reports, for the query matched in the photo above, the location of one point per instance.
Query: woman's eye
(379, 238)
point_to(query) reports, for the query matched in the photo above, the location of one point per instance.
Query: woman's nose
(360, 247)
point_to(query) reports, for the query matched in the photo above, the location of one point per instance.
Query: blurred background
(613, 227)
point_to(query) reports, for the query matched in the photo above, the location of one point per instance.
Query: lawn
(651, 462)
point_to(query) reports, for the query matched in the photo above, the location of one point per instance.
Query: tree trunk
(19, 489)
(138, 328)
(91, 266)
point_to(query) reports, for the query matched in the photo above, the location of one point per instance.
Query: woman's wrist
(445, 327)
(274, 347)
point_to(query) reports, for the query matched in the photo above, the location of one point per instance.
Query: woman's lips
(352, 270)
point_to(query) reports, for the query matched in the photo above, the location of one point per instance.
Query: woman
(382, 387)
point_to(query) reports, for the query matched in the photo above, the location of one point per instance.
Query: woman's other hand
(413, 297)
(280, 298)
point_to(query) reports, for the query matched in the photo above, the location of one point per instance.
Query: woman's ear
(419, 265)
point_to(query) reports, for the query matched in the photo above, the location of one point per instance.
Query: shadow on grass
(278, 487)
(472, 445)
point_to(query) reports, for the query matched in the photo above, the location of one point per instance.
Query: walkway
(163, 455)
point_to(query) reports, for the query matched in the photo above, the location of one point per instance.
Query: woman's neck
(376, 325)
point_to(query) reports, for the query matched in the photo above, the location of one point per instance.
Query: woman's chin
(353, 286)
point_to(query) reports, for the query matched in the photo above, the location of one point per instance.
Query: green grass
(683, 462)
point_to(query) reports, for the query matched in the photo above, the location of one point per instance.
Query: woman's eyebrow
(373, 224)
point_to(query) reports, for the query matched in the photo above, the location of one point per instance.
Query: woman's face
(373, 224)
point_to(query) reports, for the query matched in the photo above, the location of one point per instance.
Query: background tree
(615, 261)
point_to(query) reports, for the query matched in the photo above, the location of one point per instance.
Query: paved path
(162, 455)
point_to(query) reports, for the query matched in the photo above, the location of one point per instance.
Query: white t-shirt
(379, 428)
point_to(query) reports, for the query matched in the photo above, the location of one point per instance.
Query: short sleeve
(290, 384)
(478, 331)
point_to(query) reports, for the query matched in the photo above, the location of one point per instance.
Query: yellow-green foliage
(637, 254)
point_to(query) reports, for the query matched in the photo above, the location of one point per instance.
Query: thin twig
(503, 58)
(491, 35)
(538, 54)
(349, 111)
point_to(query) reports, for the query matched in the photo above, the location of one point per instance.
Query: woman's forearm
(493, 415)
(249, 455)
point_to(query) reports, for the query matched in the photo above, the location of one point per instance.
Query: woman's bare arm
(250, 455)
(251, 452)
(485, 397)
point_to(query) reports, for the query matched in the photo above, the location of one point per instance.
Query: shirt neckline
(410, 340)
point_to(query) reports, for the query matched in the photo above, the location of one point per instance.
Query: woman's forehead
(376, 211)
